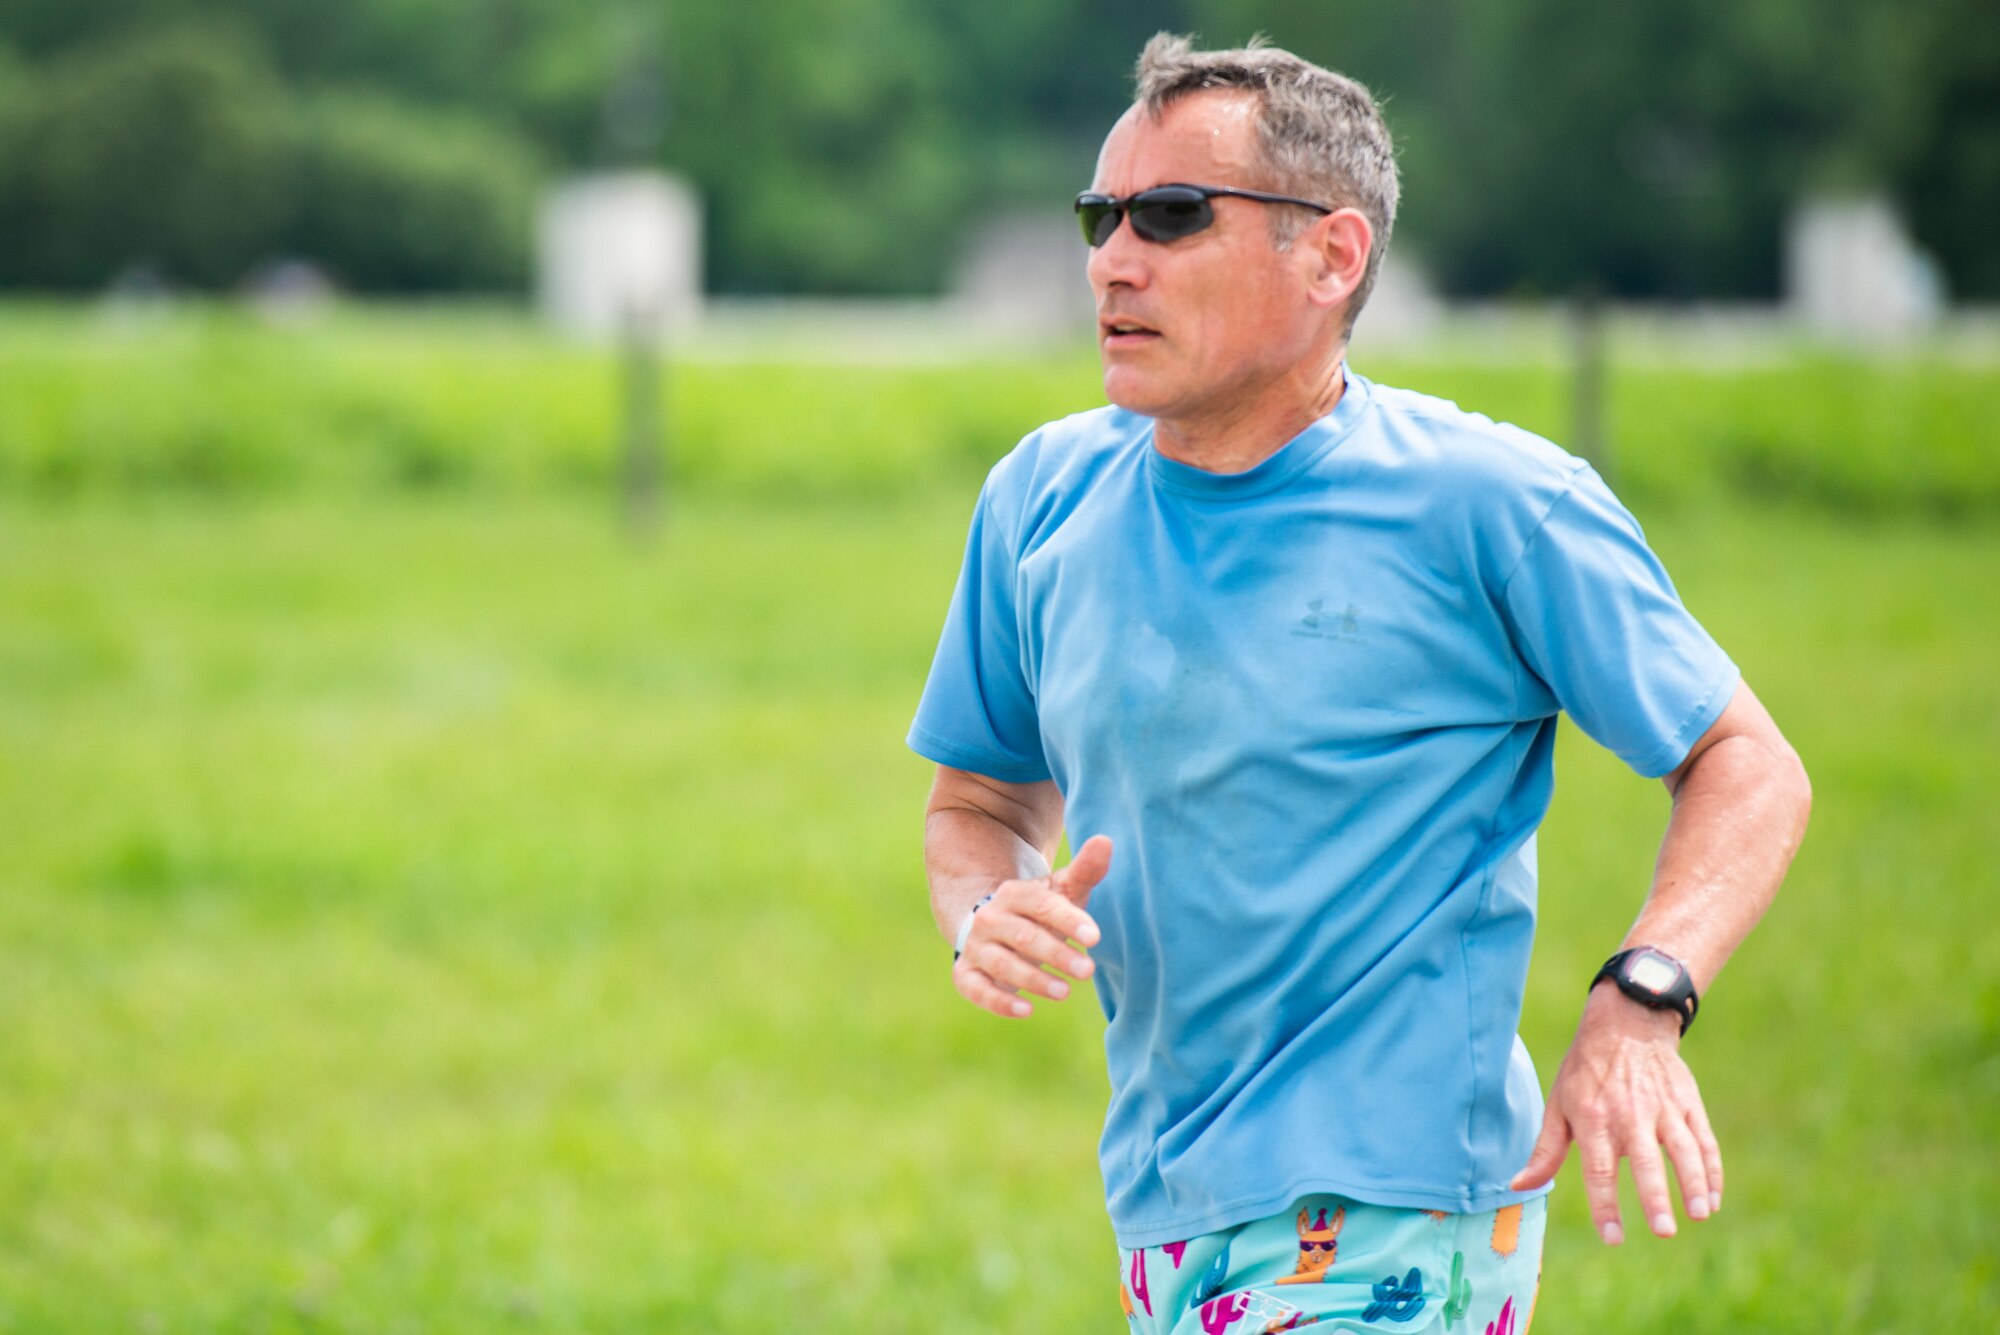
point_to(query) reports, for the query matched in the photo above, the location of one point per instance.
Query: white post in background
(620, 243)
(620, 258)
(1852, 271)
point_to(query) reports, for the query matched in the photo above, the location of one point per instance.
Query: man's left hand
(1624, 1093)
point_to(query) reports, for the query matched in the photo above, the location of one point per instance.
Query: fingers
(1682, 1130)
(1551, 1148)
(1084, 871)
(1625, 1093)
(979, 989)
(1711, 1150)
(1610, 1131)
(1690, 1166)
(1599, 1160)
(1045, 902)
(1011, 950)
(1026, 925)
(1037, 920)
(1602, 1142)
(1037, 943)
(1649, 1175)
(1029, 924)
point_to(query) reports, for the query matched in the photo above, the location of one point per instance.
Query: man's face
(1223, 314)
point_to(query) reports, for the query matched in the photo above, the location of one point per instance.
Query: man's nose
(1120, 261)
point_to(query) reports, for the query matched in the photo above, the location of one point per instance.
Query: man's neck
(1239, 438)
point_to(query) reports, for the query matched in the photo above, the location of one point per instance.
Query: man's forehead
(1209, 138)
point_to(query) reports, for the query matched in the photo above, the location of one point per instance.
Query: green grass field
(425, 911)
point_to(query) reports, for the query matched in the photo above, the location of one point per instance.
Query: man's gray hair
(1320, 134)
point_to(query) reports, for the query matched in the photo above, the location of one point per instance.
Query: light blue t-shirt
(1314, 706)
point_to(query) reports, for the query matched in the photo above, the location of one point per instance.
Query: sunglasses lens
(1170, 213)
(1099, 217)
(1165, 213)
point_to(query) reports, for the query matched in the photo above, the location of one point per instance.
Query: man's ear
(1337, 249)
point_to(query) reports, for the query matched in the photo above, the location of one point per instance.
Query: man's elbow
(1802, 794)
(1760, 772)
(1791, 784)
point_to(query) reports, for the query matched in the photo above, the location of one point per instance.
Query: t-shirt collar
(1292, 458)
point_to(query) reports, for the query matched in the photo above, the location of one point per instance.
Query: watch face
(1652, 973)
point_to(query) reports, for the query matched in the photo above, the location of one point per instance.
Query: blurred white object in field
(1404, 308)
(1852, 271)
(620, 252)
(1023, 274)
(289, 291)
(137, 298)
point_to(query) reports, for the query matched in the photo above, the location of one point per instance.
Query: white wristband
(965, 928)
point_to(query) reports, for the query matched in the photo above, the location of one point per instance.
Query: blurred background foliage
(215, 401)
(1648, 149)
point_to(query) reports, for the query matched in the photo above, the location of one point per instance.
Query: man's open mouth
(1125, 329)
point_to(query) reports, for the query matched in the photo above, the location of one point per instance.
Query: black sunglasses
(1166, 212)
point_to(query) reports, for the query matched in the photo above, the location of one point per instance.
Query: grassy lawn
(434, 914)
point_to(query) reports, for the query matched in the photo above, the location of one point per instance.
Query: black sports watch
(1653, 978)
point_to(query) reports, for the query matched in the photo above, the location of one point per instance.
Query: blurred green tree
(392, 198)
(1952, 178)
(166, 149)
(181, 151)
(1647, 148)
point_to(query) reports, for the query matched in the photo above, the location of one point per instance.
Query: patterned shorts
(1342, 1265)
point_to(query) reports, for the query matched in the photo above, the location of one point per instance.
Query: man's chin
(1143, 395)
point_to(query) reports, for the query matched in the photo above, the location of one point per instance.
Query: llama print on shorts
(1317, 1245)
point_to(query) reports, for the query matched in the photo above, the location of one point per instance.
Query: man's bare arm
(1741, 799)
(983, 836)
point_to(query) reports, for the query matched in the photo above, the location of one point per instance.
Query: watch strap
(965, 927)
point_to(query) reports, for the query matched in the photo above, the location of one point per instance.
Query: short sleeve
(978, 707)
(1595, 617)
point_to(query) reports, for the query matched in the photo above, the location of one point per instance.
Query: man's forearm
(1623, 1091)
(985, 837)
(979, 832)
(966, 854)
(1739, 812)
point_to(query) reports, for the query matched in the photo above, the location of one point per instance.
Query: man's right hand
(1026, 925)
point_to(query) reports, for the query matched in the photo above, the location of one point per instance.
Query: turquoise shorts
(1339, 1264)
